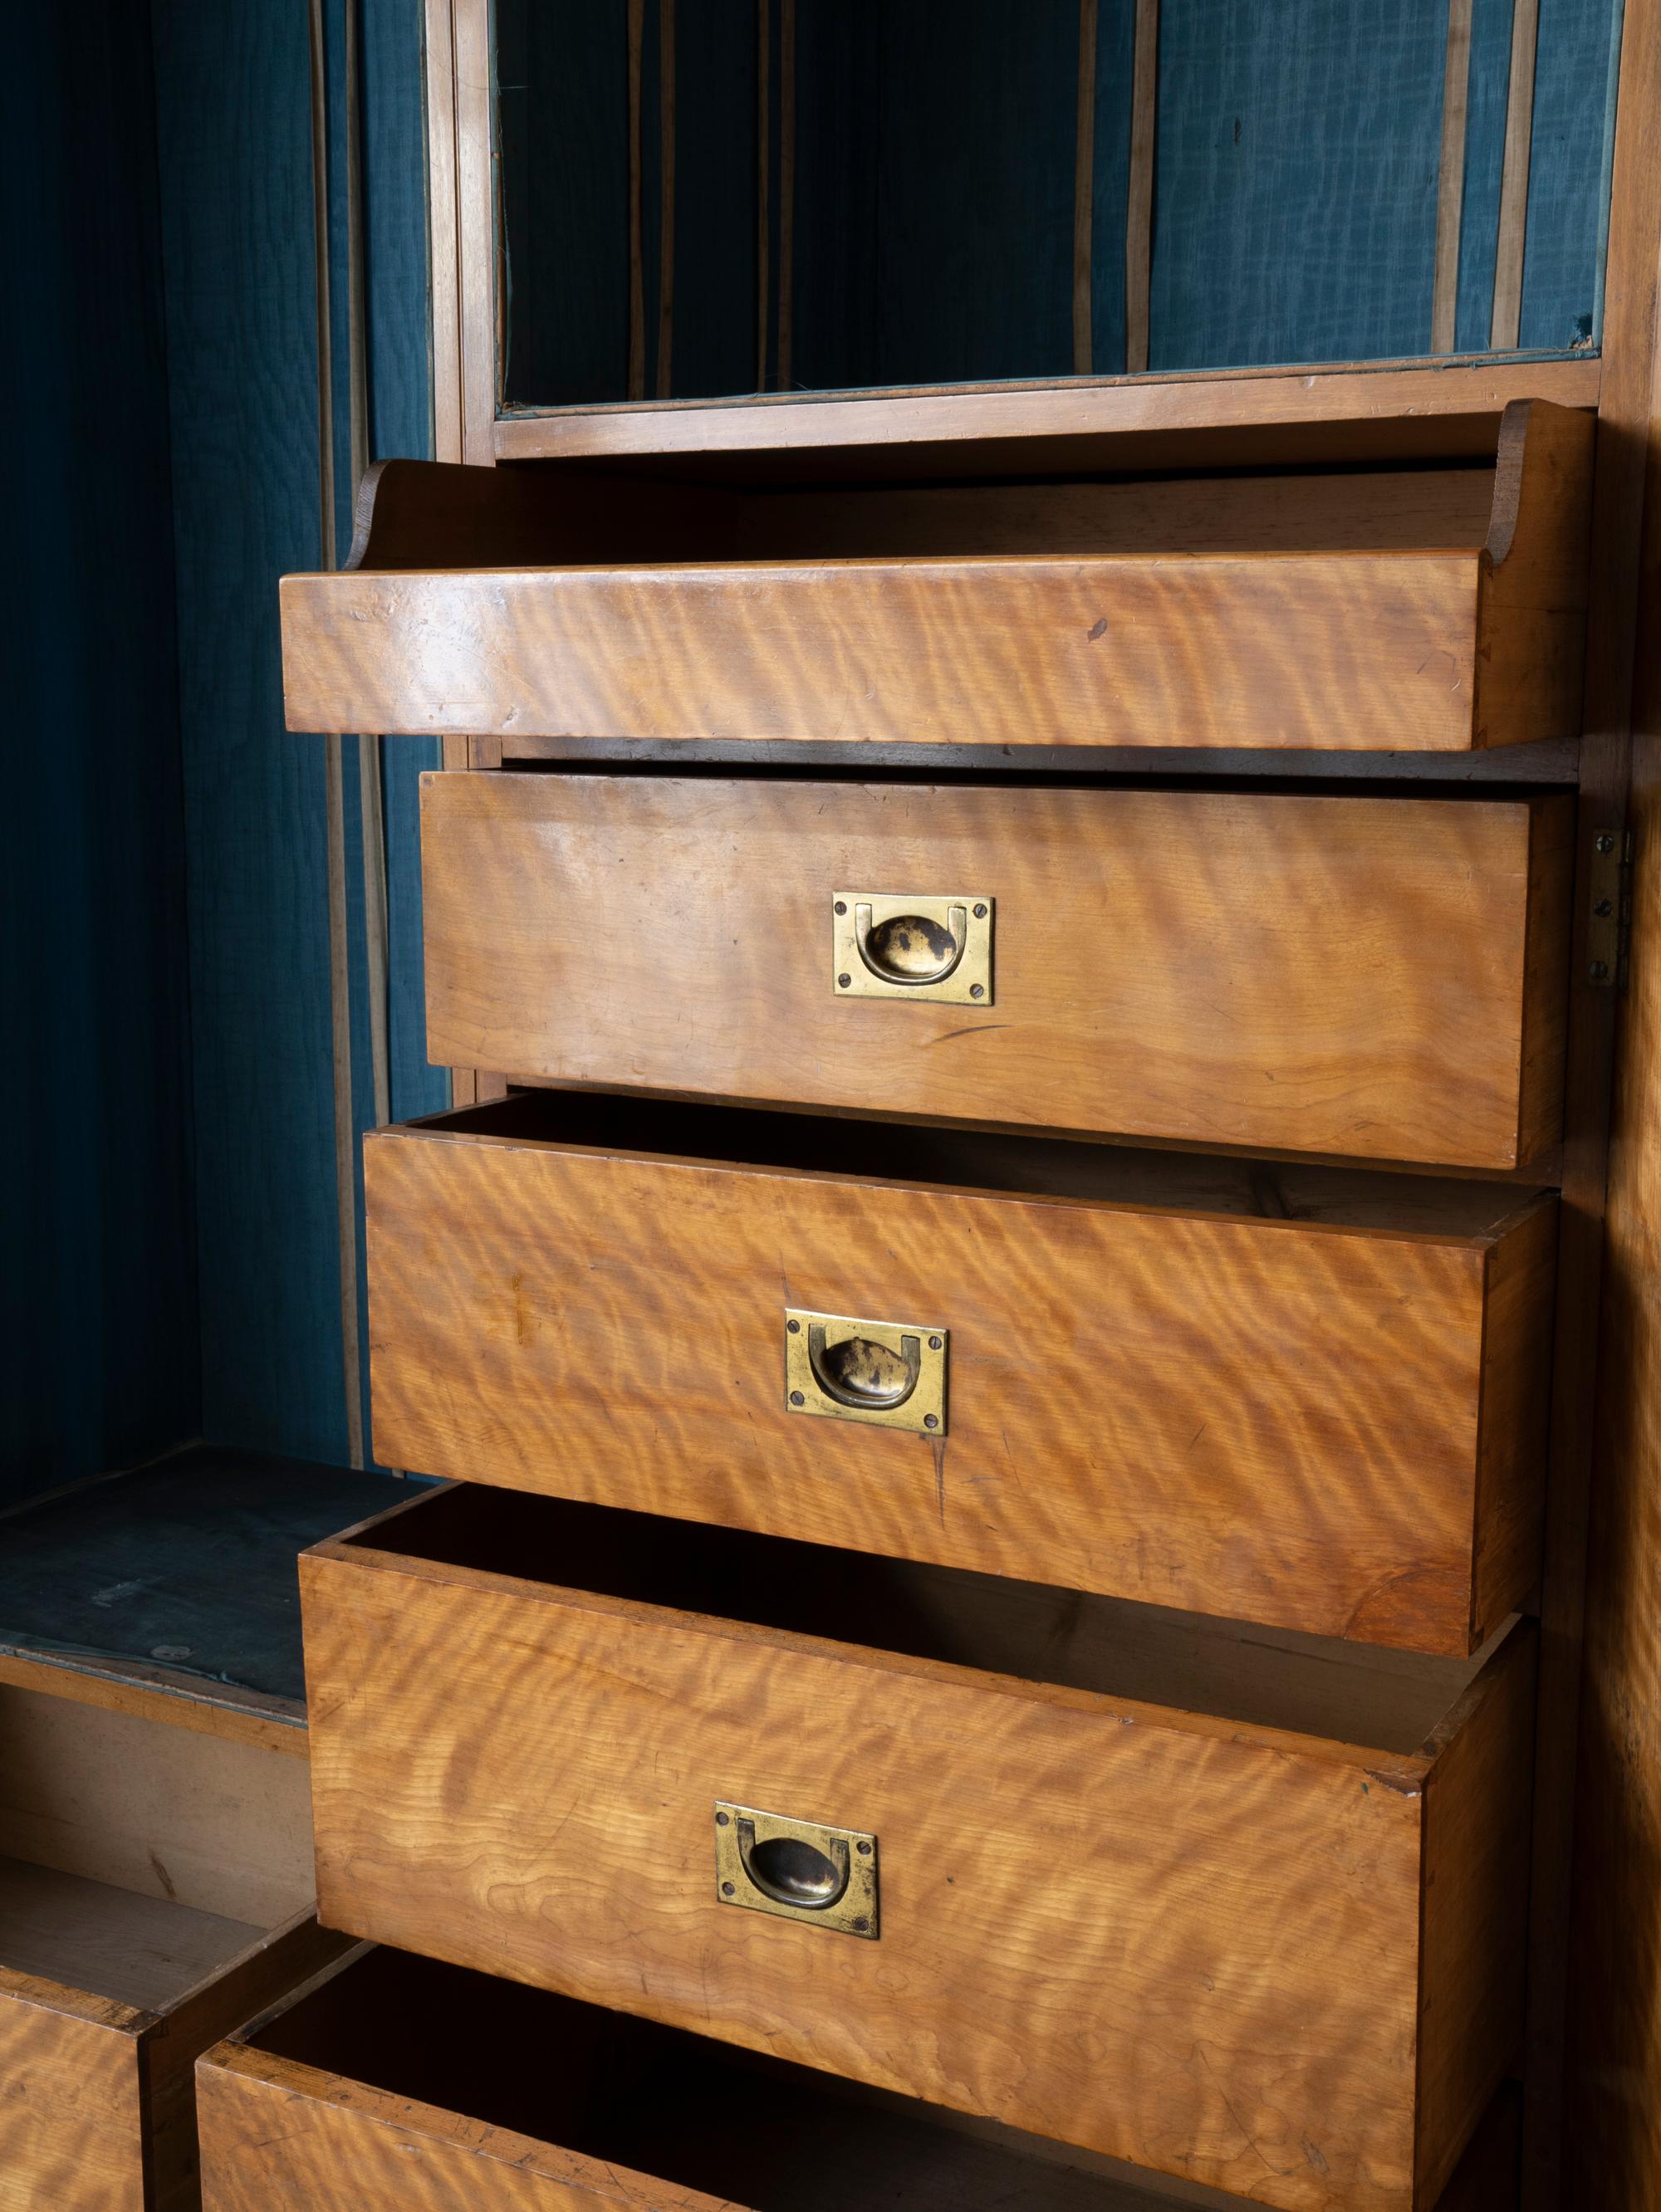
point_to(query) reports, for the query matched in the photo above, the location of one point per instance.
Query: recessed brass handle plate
(889, 1373)
(893, 944)
(796, 1869)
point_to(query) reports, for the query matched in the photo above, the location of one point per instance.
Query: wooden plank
(1157, 954)
(483, 306)
(920, 653)
(146, 1951)
(1514, 180)
(1084, 193)
(221, 1827)
(1450, 177)
(636, 24)
(1189, 1852)
(1260, 400)
(276, 1724)
(1283, 1419)
(1139, 198)
(444, 243)
(72, 2120)
(665, 332)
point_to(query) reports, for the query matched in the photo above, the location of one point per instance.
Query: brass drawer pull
(891, 945)
(890, 1373)
(796, 1869)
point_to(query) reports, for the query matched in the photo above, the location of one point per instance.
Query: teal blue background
(171, 1268)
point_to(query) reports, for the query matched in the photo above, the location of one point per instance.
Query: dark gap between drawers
(957, 1158)
(660, 2100)
(1388, 1700)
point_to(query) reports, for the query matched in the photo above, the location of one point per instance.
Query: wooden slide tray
(1282, 613)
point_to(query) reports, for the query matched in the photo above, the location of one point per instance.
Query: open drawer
(1219, 1901)
(1387, 609)
(510, 2100)
(1307, 1395)
(155, 1890)
(507, 2098)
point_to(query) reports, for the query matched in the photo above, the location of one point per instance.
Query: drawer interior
(1391, 1701)
(137, 1859)
(416, 515)
(959, 1159)
(744, 2130)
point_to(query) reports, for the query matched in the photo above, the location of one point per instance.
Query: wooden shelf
(1382, 409)
(171, 1590)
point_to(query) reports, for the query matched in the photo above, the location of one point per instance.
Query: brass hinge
(1608, 926)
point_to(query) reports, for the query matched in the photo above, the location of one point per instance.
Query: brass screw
(841, 905)
(978, 990)
(727, 1889)
(796, 1398)
(794, 1328)
(721, 1820)
(933, 1343)
(980, 912)
(931, 1420)
(1600, 970)
(844, 981)
(862, 1926)
(1605, 842)
(865, 1851)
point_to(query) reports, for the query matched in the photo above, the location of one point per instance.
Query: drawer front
(1189, 1944)
(1333, 1429)
(71, 2114)
(1376, 977)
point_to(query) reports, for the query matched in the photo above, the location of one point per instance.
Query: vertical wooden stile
(1139, 206)
(636, 271)
(1084, 193)
(763, 195)
(664, 381)
(1450, 179)
(345, 1120)
(1514, 178)
(787, 186)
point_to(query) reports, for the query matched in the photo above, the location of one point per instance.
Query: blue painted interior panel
(1568, 171)
(99, 1326)
(235, 131)
(1295, 189)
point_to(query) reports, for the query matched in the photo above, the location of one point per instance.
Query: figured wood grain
(1532, 597)
(1318, 973)
(1475, 1926)
(1193, 1947)
(1358, 651)
(71, 2125)
(1270, 1418)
